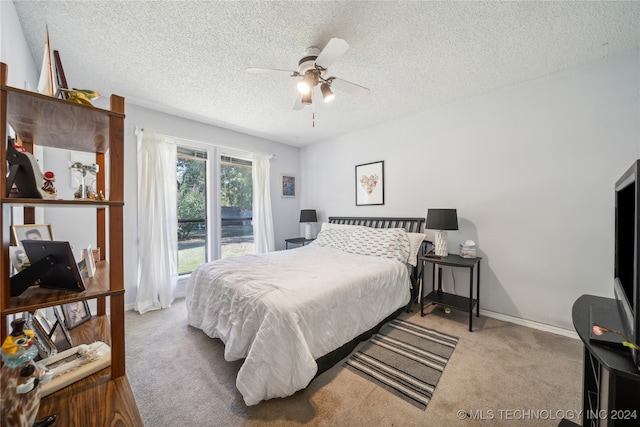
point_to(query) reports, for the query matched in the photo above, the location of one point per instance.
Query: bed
(293, 314)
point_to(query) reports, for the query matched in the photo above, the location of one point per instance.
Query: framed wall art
(370, 184)
(288, 186)
(31, 232)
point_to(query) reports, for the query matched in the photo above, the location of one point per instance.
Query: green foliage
(236, 186)
(191, 189)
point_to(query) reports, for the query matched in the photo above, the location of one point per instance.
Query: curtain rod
(139, 129)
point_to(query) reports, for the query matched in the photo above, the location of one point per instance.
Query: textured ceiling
(189, 58)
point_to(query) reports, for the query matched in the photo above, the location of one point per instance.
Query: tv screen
(626, 283)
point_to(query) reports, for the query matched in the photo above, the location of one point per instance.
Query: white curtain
(157, 222)
(262, 217)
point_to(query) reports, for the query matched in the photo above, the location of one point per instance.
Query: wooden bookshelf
(104, 398)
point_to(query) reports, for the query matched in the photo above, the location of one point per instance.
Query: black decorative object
(52, 266)
(24, 173)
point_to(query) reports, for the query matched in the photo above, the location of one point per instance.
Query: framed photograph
(56, 331)
(45, 346)
(31, 232)
(62, 339)
(288, 186)
(88, 261)
(76, 313)
(370, 184)
(19, 258)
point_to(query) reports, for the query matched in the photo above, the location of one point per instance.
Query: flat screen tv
(627, 253)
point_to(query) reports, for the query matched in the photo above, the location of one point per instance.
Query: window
(192, 209)
(227, 230)
(236, 195)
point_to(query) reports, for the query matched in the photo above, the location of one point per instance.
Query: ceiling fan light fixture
(327, 93)
(303, 87)
(309, 81)
(306, 98)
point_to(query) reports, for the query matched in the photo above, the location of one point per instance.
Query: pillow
(334, 238)
(415, 242)
(383, 242)
(330, 226)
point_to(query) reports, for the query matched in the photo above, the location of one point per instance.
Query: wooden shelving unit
(104, 398)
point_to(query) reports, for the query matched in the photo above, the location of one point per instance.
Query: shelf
(452, 301)
(35, 298)
(24, 202)
(59, 123)
(104, 398)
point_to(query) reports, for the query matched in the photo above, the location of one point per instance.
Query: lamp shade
(442, 219)
(308, 215)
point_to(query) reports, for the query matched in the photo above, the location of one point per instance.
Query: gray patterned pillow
(383, 242)
(334, 238)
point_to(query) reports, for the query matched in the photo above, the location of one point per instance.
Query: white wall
(530, 169)
(14, 50)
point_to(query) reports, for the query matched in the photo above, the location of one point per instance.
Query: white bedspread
(282, 310)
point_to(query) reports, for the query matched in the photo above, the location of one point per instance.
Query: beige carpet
(501, 374)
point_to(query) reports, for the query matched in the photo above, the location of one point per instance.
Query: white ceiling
(189, 58)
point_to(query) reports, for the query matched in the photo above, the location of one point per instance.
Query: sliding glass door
(214, 205)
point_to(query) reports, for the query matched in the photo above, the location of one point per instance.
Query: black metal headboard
(410, 225)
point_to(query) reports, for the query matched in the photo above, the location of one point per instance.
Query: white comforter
(282, 310)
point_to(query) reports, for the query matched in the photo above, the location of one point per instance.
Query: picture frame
(45, 346)
(370, 184)
(88, 261)
(76, 313)
(19, 258)
(58, 336)
(288, 186)
(62, 339)
(30, 232)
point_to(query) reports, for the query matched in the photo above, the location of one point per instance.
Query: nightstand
(437, 296)
(296, 241)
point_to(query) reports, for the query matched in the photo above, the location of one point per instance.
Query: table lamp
(441, 220)
(308, 216)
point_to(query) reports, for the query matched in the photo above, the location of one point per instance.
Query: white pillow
(383, 242)
(415, 242)
(330, 226)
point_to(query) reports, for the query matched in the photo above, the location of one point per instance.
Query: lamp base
(307, 231)
(440, 245)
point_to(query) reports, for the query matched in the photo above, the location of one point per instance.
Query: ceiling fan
(312, 74)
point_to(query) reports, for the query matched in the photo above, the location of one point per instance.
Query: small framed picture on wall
(370, 184)
(288, 186)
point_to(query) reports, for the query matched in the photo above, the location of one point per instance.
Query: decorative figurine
(20, 377)
(48, 187)
(84, 191)
(81, 96)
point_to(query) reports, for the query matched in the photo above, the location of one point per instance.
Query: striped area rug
(405, 359)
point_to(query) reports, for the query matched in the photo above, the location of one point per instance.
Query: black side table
(437, 296)
(296, 241)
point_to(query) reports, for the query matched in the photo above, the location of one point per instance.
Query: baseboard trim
(531, 324)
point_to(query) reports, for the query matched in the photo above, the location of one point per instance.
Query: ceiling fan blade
(348, 87)
(270, 70)
(298, 105)
(331, 52)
